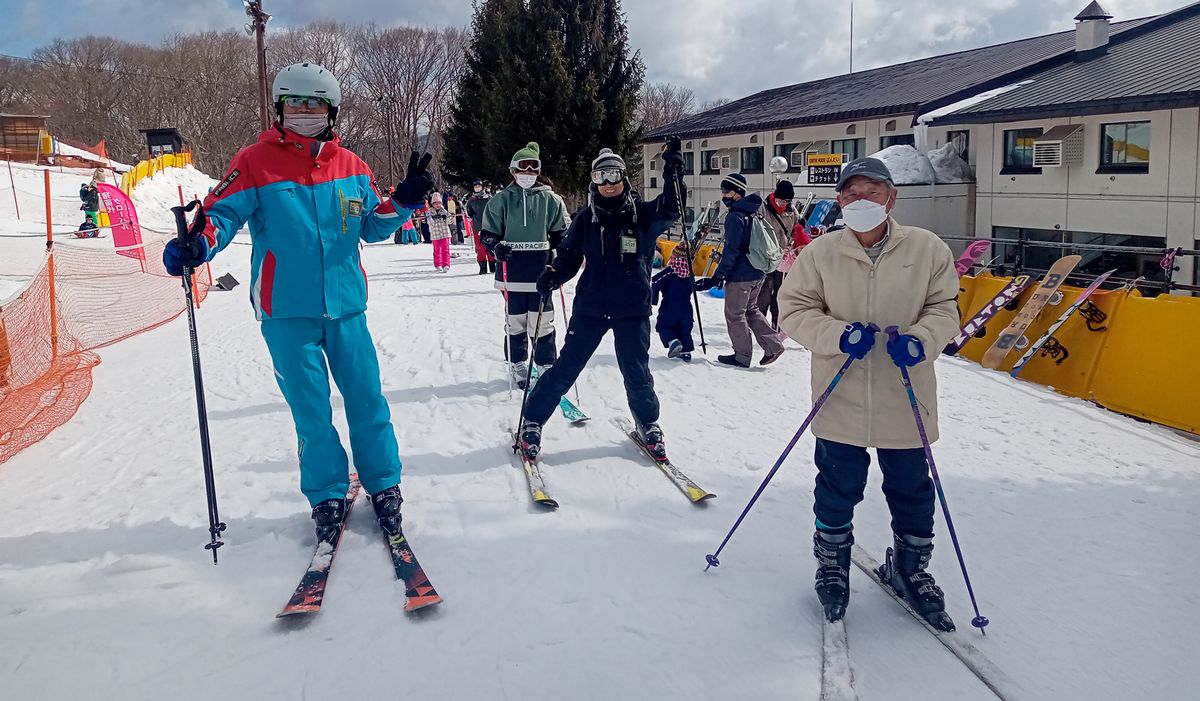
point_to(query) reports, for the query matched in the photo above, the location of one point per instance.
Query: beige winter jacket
(912, 285)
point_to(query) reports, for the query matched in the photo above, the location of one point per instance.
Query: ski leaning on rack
(1079, 302)
(533, 475)
(310, 593)
(418, 592)
(1007, 339)
(971, 255)
(976, 323)
(690, 489)
(983, 668)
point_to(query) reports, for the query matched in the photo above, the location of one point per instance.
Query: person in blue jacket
(309, 202)
(741, 281)
(675, 322)
(616, 235)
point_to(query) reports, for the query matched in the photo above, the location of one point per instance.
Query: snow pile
(948, 166)
(68, 150)
(907, 165)
(155, 196)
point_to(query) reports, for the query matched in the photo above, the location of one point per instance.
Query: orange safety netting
(83, 298)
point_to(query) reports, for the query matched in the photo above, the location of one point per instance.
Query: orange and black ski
(418, 592)
(310, 593)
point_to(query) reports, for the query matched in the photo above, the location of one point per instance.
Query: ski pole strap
(185, 232)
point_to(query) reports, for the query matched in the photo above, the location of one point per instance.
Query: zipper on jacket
(524, 208)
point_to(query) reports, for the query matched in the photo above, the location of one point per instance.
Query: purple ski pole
(712, 559)
(979, 621)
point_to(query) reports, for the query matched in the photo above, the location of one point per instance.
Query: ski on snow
(418, 591)
(983, 668)
(533, 475)
(837, 679)
(690, 489)
(310, 593)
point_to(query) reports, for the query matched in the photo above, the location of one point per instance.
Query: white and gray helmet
(307, 80)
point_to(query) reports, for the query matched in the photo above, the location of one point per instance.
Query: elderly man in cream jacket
(843, 287)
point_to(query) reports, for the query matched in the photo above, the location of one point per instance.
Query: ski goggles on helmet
(296, 102)
(608, 176)
(526, 165)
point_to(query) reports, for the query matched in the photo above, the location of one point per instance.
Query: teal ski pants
(305, 352)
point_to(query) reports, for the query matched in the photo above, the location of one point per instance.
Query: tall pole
(851, 36)
(258, 27)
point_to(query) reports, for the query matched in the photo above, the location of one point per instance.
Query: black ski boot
(530, 440)
(387, 509)
(652, 436)
(904, 569)
(833, 572)
(329, 515)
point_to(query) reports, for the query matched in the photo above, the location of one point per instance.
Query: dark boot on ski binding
(652, 436)
(329, 515)
(833, 575)
(530, 440)
(387, 509)
(904, 569)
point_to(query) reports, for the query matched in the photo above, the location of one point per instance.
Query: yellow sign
(824, 159)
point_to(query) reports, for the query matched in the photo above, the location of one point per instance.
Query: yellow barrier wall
(1143, 359)
(147, 169)
(700, 259)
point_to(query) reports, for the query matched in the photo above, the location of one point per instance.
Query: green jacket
(532, 222)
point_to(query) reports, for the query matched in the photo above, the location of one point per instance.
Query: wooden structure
(162, 141)
(20, 137)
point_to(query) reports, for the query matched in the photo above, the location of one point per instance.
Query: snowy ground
(1080, 528)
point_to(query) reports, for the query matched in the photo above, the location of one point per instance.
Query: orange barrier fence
(1129, 353)
(83, 297)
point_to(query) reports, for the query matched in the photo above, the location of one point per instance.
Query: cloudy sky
(719, 48)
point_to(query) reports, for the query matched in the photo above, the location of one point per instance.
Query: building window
(899, 140)
(752, 160)
(709, 163)
(1125, 148)
(1016, 253)
(1018, 151)
(689, 163)
(785, 150)
(725, 163)
(961, 141)
(654, 163)
(653, 183)
(853, 149)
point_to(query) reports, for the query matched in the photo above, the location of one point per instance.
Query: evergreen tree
(559, 73)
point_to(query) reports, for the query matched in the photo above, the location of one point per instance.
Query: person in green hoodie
(522, 225)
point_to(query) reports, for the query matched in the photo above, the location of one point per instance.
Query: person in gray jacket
(741, 281)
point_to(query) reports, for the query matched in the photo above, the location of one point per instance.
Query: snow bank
(948, 166)
(908, 165)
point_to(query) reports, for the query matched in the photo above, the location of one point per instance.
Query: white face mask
(864, 215)
(310, 125)
(525, 180)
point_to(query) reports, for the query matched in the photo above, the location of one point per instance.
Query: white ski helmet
(307, 80)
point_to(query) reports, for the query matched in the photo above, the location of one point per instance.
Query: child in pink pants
(439, 220)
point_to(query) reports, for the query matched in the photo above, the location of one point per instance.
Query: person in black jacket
(741, 281)
(616, 235)
(675, 322)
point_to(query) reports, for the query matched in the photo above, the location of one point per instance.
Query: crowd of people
(833, 295)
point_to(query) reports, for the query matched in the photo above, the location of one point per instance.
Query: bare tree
(664, 103)
(713, 104)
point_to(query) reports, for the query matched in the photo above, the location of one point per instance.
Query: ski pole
(562, 296)
(215, 527)
(507, 360)
(712, 559)
(979, 621)
(691, 270)
(537, 329)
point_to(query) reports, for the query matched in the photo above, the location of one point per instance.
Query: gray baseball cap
(872, 168)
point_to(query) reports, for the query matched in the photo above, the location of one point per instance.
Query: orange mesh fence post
(14, 189)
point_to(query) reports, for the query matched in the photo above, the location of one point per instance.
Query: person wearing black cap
(476, 203)
(741, 280)
(782, 217)
(843, 287)
(616, 235)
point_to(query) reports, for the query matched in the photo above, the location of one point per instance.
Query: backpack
(764, 252)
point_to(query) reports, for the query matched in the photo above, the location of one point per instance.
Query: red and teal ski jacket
(308, 204)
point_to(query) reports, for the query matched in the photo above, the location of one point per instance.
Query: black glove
(502, 251)
(417, 183)
(673, 156)
(706, 283)
(547, 282)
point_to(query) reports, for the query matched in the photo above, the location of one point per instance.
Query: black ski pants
(842, 479)
(632, 340)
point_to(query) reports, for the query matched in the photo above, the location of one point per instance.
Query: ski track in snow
(1079, 528)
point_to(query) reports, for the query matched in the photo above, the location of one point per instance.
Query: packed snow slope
(1080, 528)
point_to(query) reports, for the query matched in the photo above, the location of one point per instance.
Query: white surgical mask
(525, 180)
(310, 125)
(864, 215)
